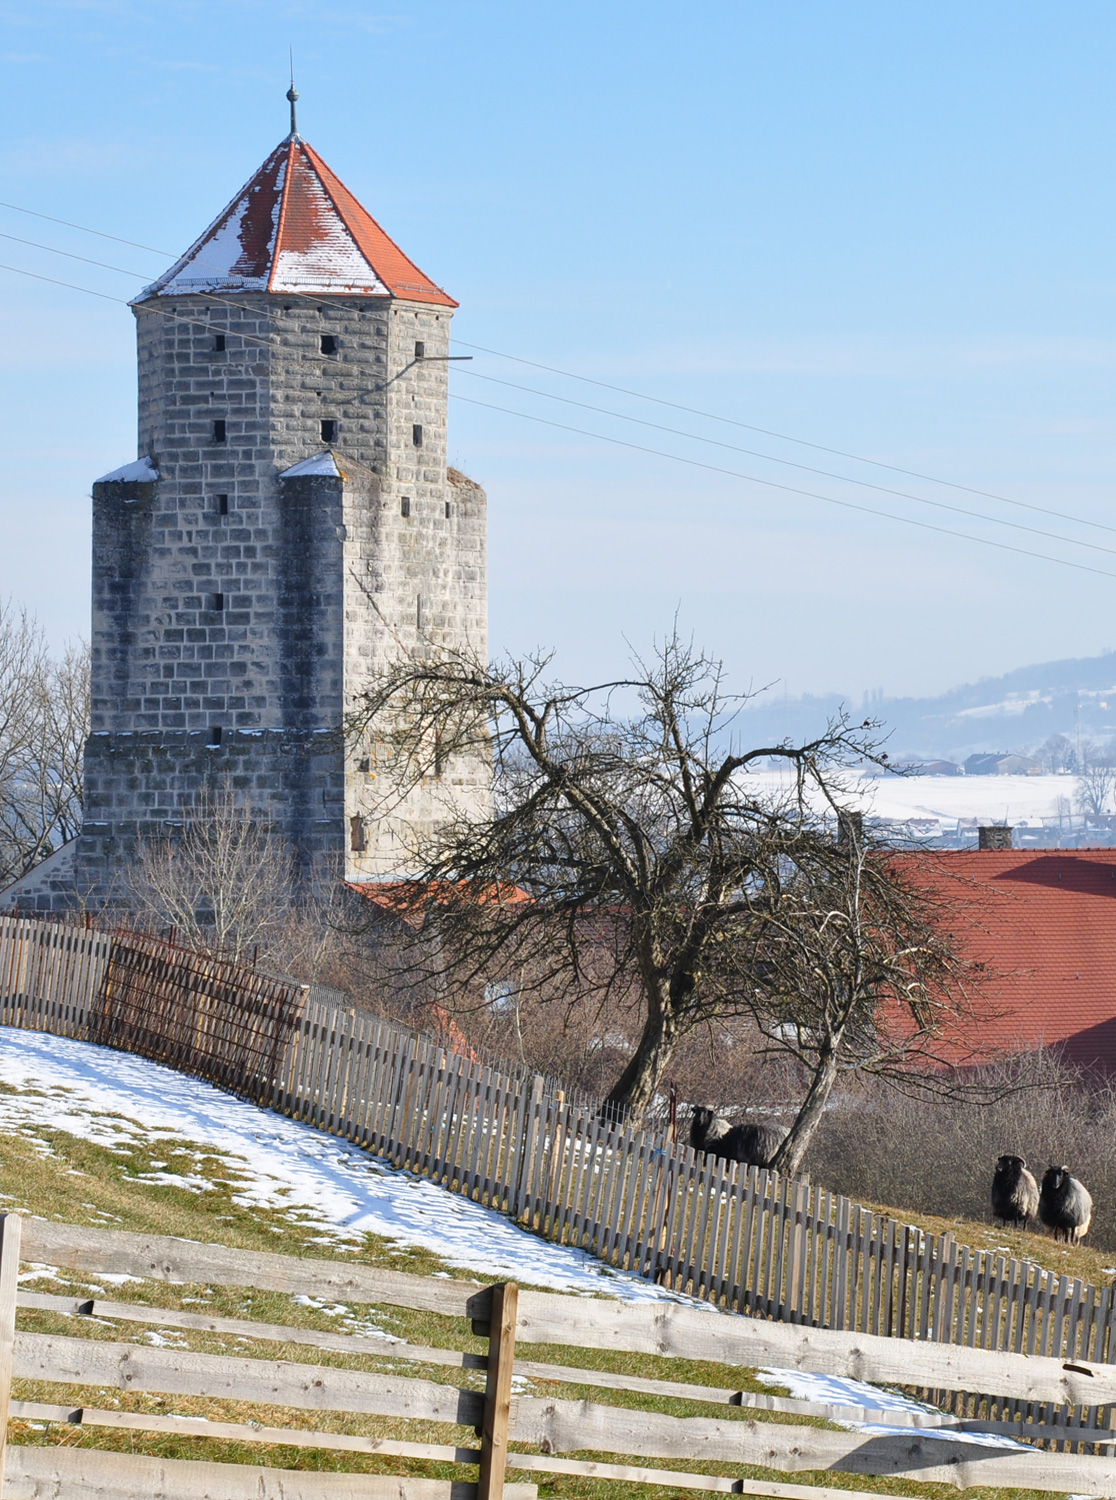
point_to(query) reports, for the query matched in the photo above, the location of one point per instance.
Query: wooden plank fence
(897, 1446)
(748, 1240)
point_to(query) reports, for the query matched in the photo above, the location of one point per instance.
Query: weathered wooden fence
(912, 1445)
(746, 1239)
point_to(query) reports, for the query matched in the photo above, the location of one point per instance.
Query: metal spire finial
(292, 95)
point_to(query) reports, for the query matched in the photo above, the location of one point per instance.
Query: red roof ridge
(335, 189)
(284, 199)
(294, 228)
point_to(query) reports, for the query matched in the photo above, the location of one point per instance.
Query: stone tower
(290, 522)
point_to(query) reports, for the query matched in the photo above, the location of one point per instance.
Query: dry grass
(927, 1156)
(53, 1174)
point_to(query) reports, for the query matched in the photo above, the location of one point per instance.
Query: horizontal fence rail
(748, 1240)
(505, 1317)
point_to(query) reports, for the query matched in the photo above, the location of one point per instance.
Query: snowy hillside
(112, 1098)
(311, 1177)
(1018, 710)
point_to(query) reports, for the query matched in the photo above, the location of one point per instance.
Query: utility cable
(621, 390)
(70, 255)
(866, 484)
(789, 489)
(637, 447)
(123, 302)
(786, 437)
(661, 427)
(659, 453)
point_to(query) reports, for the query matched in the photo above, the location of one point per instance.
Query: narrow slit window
(216, 602)
(357, 841)
(329, 343)
(416, 435)
(449, 510)
(214, 736)
(220, 431)
(418, 613)
(405, 506)
(222, 505)
(420, 350)
(329, 429)
(219, 343)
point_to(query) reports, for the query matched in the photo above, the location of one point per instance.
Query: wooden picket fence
(748, 1240)
(99, 1352)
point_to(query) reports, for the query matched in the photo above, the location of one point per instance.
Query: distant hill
(1017, 711)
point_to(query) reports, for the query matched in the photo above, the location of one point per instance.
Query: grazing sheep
(1065, 1205)
(1015, 1193)
(753, 1145)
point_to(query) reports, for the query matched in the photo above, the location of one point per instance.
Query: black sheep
(1015, 1193)
(752, 1144)
(1065, 1205)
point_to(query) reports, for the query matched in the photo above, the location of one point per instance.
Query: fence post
(497, 1392)
(528, 1148)
(10, 1226)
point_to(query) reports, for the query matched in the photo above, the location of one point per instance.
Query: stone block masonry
(289, 527)
(238, 611)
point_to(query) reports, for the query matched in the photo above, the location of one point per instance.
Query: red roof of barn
(295, 227)
(410, 899)
(1043, 925)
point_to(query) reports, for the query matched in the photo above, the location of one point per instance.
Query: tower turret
(289, 522)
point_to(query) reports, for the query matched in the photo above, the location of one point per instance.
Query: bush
(937, 1156)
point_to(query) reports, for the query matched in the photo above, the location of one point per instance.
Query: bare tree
(1096, 780)
(44, 719)
(226, 884)
(857, 976)
(1056, 754)
(632, 860)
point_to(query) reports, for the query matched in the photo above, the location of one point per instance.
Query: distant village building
(289, 524)
(929, 767)
(1002, 763)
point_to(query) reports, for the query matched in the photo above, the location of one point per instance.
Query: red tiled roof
(295, 227)
(1043, 925)
(410, 899)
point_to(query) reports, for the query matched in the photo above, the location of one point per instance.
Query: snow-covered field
(987, 799)
(315, 1179)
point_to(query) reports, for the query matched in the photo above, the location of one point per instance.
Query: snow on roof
(139, 471)
(295, 227)
(321, 463)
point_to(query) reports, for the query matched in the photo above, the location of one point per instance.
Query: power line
(643, 422)
(84, 229)
(637, 447)
(786, 437)
(625, 391)
(123, 302)
(620, 442)
(70, 255)
(791, 489)
(867, 484)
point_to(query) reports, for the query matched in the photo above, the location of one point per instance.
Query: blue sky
(887, 229)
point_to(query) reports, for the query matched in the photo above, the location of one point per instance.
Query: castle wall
(230, 636)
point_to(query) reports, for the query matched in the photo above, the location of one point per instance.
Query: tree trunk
(789, 1156)
(635, 1088)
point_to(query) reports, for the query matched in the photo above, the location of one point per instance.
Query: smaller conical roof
(296, 228)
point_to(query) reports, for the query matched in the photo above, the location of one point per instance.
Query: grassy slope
(1094, 1267)
(50, 1173)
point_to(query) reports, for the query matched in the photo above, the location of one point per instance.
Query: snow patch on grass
(313, 1179)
